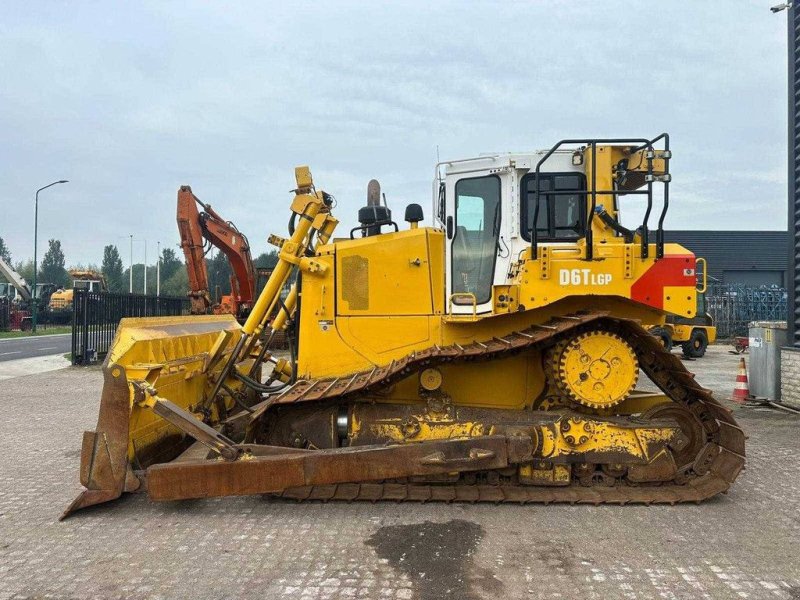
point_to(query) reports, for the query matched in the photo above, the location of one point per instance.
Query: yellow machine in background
(494, 356)
(694, 334)
(81, 279)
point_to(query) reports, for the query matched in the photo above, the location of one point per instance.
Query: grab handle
(705, 275)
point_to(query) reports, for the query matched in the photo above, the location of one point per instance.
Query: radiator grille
(355, 282)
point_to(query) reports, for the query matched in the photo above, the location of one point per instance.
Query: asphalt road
(29, 347)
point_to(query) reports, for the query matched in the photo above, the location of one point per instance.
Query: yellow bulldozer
(493, 356)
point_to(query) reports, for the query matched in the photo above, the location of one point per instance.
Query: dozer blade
(176, 354)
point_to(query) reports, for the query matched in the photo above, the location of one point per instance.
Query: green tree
(25, 269)
(138, 278)
(52, 268)
(219, 276)
(112, 269)
(5, 253)
(176, 285)
(267, 260)
(169, 264)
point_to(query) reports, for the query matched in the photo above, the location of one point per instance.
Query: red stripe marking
(668, 271)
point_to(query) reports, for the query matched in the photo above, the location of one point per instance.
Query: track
(710, 470)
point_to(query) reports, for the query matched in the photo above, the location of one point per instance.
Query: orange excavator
(197, 227)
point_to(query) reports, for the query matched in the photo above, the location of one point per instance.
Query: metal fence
(5, 314)
(95, 316)
(734, 306)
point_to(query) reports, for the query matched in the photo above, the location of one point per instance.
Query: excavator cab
(492, 357)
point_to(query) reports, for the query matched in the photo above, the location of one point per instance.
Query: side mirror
(450, 228)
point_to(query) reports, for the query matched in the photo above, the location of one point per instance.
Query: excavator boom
(16, 280)
(195, 228)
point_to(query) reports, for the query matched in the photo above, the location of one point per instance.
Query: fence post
(74, 346)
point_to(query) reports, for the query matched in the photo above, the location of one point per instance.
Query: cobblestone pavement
(742, 545)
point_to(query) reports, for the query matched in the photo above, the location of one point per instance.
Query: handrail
(705, 275)
(660, 232)
(464, 295)
(592, 143)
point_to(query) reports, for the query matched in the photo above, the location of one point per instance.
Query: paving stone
(740, 545)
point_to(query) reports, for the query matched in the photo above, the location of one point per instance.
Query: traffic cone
(741, 390)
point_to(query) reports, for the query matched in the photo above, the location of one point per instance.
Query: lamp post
(35, 245)
(792, 281)
(130, 271)
(158, 269)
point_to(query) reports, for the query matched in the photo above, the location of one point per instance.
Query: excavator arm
(196, 226)
(16, 280)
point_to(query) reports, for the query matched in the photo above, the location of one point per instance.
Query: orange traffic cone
(741, 391)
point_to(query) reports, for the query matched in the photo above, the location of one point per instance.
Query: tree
(5, 253)
(112, 269)
(25, 269)
(169, 264)
(138, 278)
(176, 285)
(267, 260)
(52, 269)
(219, 275)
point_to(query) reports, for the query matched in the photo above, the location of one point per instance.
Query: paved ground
(30, 366)
(35, 346)
(742, 545)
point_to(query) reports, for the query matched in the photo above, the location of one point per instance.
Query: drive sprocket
(597, 369)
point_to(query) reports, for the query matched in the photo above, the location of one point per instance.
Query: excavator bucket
(177, 355)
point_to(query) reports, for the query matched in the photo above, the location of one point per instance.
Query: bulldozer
(491, 357)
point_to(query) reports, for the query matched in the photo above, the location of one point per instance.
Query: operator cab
(93, 285)
(8, 292)
(492, 212)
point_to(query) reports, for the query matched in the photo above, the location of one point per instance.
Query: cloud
(129, 102)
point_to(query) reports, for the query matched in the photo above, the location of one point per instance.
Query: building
(745, 257)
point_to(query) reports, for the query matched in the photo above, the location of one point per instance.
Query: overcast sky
(131, 100)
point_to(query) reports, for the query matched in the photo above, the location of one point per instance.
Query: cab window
(562, 206)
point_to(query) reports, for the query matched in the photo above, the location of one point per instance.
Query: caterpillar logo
(583, 277)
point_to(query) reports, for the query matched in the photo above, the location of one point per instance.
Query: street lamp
(130, 271)
(158, 269)
(35, 245)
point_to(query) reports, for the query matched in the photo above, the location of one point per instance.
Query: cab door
(474, 224)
